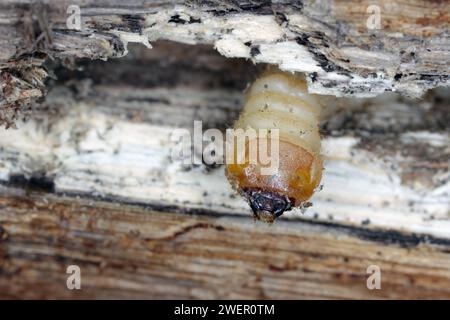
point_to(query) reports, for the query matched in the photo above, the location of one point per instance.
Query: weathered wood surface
(127, 252)
(87, 178)
(108, 132)
(329, 40)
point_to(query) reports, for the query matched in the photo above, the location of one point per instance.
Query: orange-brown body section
(280, 100)
(298, 175)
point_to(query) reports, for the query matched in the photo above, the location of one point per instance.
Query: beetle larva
(280, 100)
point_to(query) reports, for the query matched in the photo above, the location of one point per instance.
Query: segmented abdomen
(280, 100)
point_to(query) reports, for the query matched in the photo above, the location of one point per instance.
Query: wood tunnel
(86, 176)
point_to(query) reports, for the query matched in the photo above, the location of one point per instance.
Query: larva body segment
(280, 100)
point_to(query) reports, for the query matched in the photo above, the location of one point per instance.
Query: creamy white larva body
(280, 100)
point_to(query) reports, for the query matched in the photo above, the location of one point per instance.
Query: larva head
(266, 205)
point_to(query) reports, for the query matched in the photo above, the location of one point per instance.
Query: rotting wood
(104, 135)
(330, 41)
(109, 135)
(127, 252)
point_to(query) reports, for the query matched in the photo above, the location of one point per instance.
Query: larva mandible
(280, 100)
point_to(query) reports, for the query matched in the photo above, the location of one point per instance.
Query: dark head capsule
(266, 205)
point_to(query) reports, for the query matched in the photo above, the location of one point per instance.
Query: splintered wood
(354, 48)
(87, 176)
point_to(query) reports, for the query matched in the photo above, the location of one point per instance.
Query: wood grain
(129, 252)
